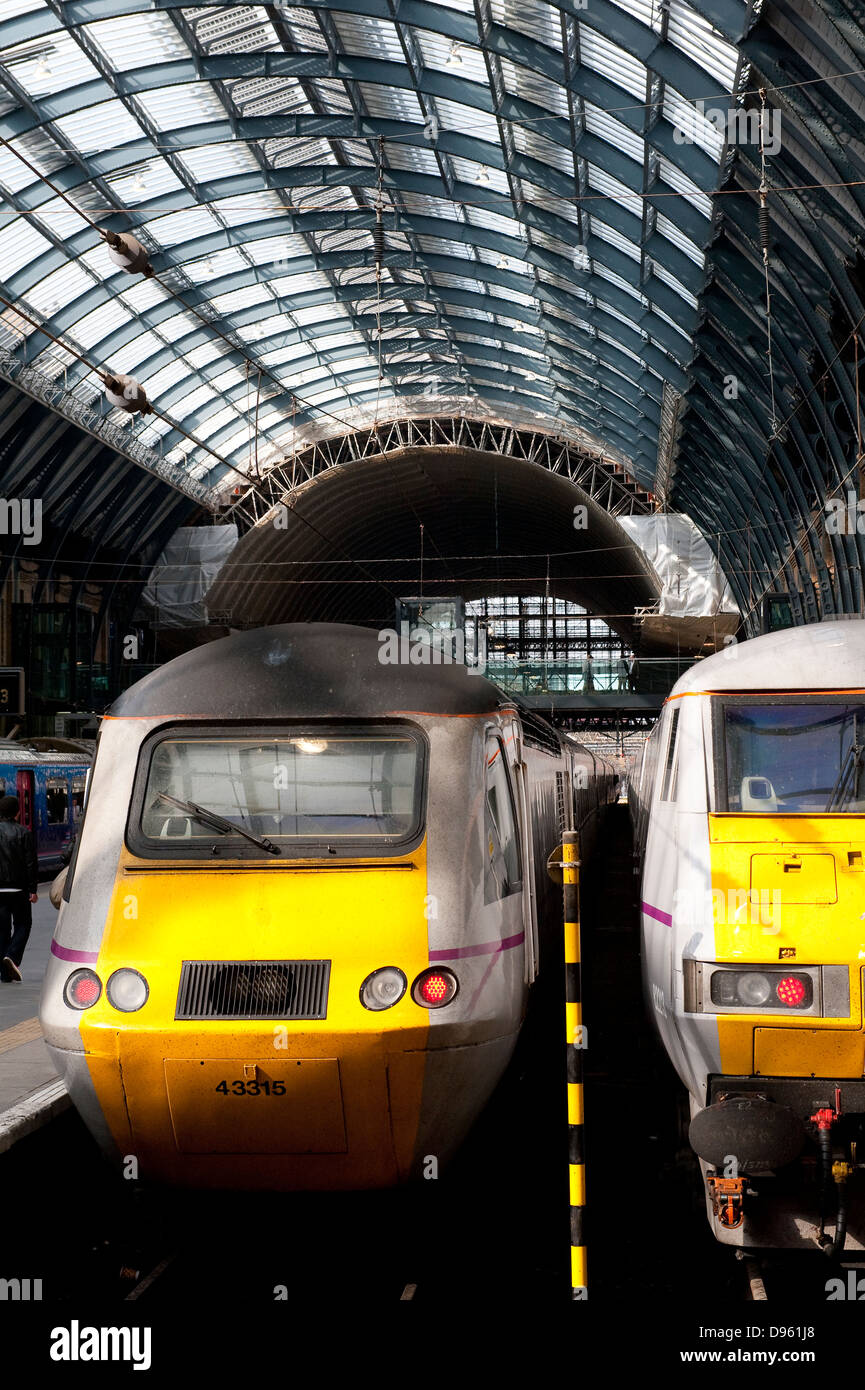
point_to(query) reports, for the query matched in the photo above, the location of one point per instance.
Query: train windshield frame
(347, 789)
(792, 755)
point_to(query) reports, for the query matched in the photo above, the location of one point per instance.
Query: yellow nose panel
(800, 893)
(264, 1101)
(795, 877)
(285, 1107)
(807, 1052)
(799, 900)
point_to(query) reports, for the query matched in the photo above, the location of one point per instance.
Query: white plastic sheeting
(693, 585)
(185, 571)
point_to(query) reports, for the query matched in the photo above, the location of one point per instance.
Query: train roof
(818, 656)
(303, 671)
(21, 755)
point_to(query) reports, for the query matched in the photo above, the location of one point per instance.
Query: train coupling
(728, 1199)
(824, 1118)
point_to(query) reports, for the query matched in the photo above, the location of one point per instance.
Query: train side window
(668, 787)
(504, 874)
(56, 801)
(76, 842)
(78, 784)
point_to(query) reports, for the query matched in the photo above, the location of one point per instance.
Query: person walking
(19, 869)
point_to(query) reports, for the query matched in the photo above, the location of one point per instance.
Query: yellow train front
(750, 820)
(299, 929)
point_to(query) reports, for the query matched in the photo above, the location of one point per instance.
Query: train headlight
(82, 989)
(127, 990)
(754, 988)
(383, 988)
(434, 988)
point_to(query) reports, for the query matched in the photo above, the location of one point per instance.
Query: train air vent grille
(283, 989)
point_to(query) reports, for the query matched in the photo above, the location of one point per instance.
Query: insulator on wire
(764, 224)
(125, 393)
(378, 241)
(126, 251)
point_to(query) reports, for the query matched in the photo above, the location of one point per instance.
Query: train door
(78, 787)
(24, 790)
(55, 825)
(524, 819)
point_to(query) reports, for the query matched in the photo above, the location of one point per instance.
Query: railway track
(786, 1277)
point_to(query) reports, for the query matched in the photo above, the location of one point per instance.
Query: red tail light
(82, 989)
(791, 990)
(434, 988)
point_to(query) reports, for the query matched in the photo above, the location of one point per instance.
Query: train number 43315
(251, 1088)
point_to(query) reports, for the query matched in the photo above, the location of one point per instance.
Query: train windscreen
(791, 757)
(312, 787)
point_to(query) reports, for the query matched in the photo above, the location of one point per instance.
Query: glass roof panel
(675, 234)
(620, 136)
(530, 17)
(190, 104)
(692, 125)
(700, 40)
(612, 62)
(104, 126)
(20, 244)
(138, 40)
(47, 65)
(219, 161)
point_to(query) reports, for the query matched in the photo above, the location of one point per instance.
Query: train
(305, 910)
(749, 822)
(50, 786)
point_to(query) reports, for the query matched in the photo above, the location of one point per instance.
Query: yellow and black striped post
(576, 1045)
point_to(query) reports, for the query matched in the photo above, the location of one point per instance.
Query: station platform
(31, 1093)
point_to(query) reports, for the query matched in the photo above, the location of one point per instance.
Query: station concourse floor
(25, 1066)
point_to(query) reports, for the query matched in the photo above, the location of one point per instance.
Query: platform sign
(12, 690)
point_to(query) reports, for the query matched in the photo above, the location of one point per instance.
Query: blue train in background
(49, 782)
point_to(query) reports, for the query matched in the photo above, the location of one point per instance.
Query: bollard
(574, 1029)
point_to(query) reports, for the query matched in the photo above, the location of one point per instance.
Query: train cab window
(323, 790)
(79, 824)
(671, 767)
(783, 756)
(56, 801)
(504, 875)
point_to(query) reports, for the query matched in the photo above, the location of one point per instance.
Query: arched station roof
(568, 238)
(490, 523)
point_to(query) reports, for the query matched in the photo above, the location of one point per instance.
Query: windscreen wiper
(847, 785)
(217, 822)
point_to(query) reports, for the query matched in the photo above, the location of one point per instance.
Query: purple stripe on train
(487, 949)
(657, 913)
(80, 957)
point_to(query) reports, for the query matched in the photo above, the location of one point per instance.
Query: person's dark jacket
(19, 867)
